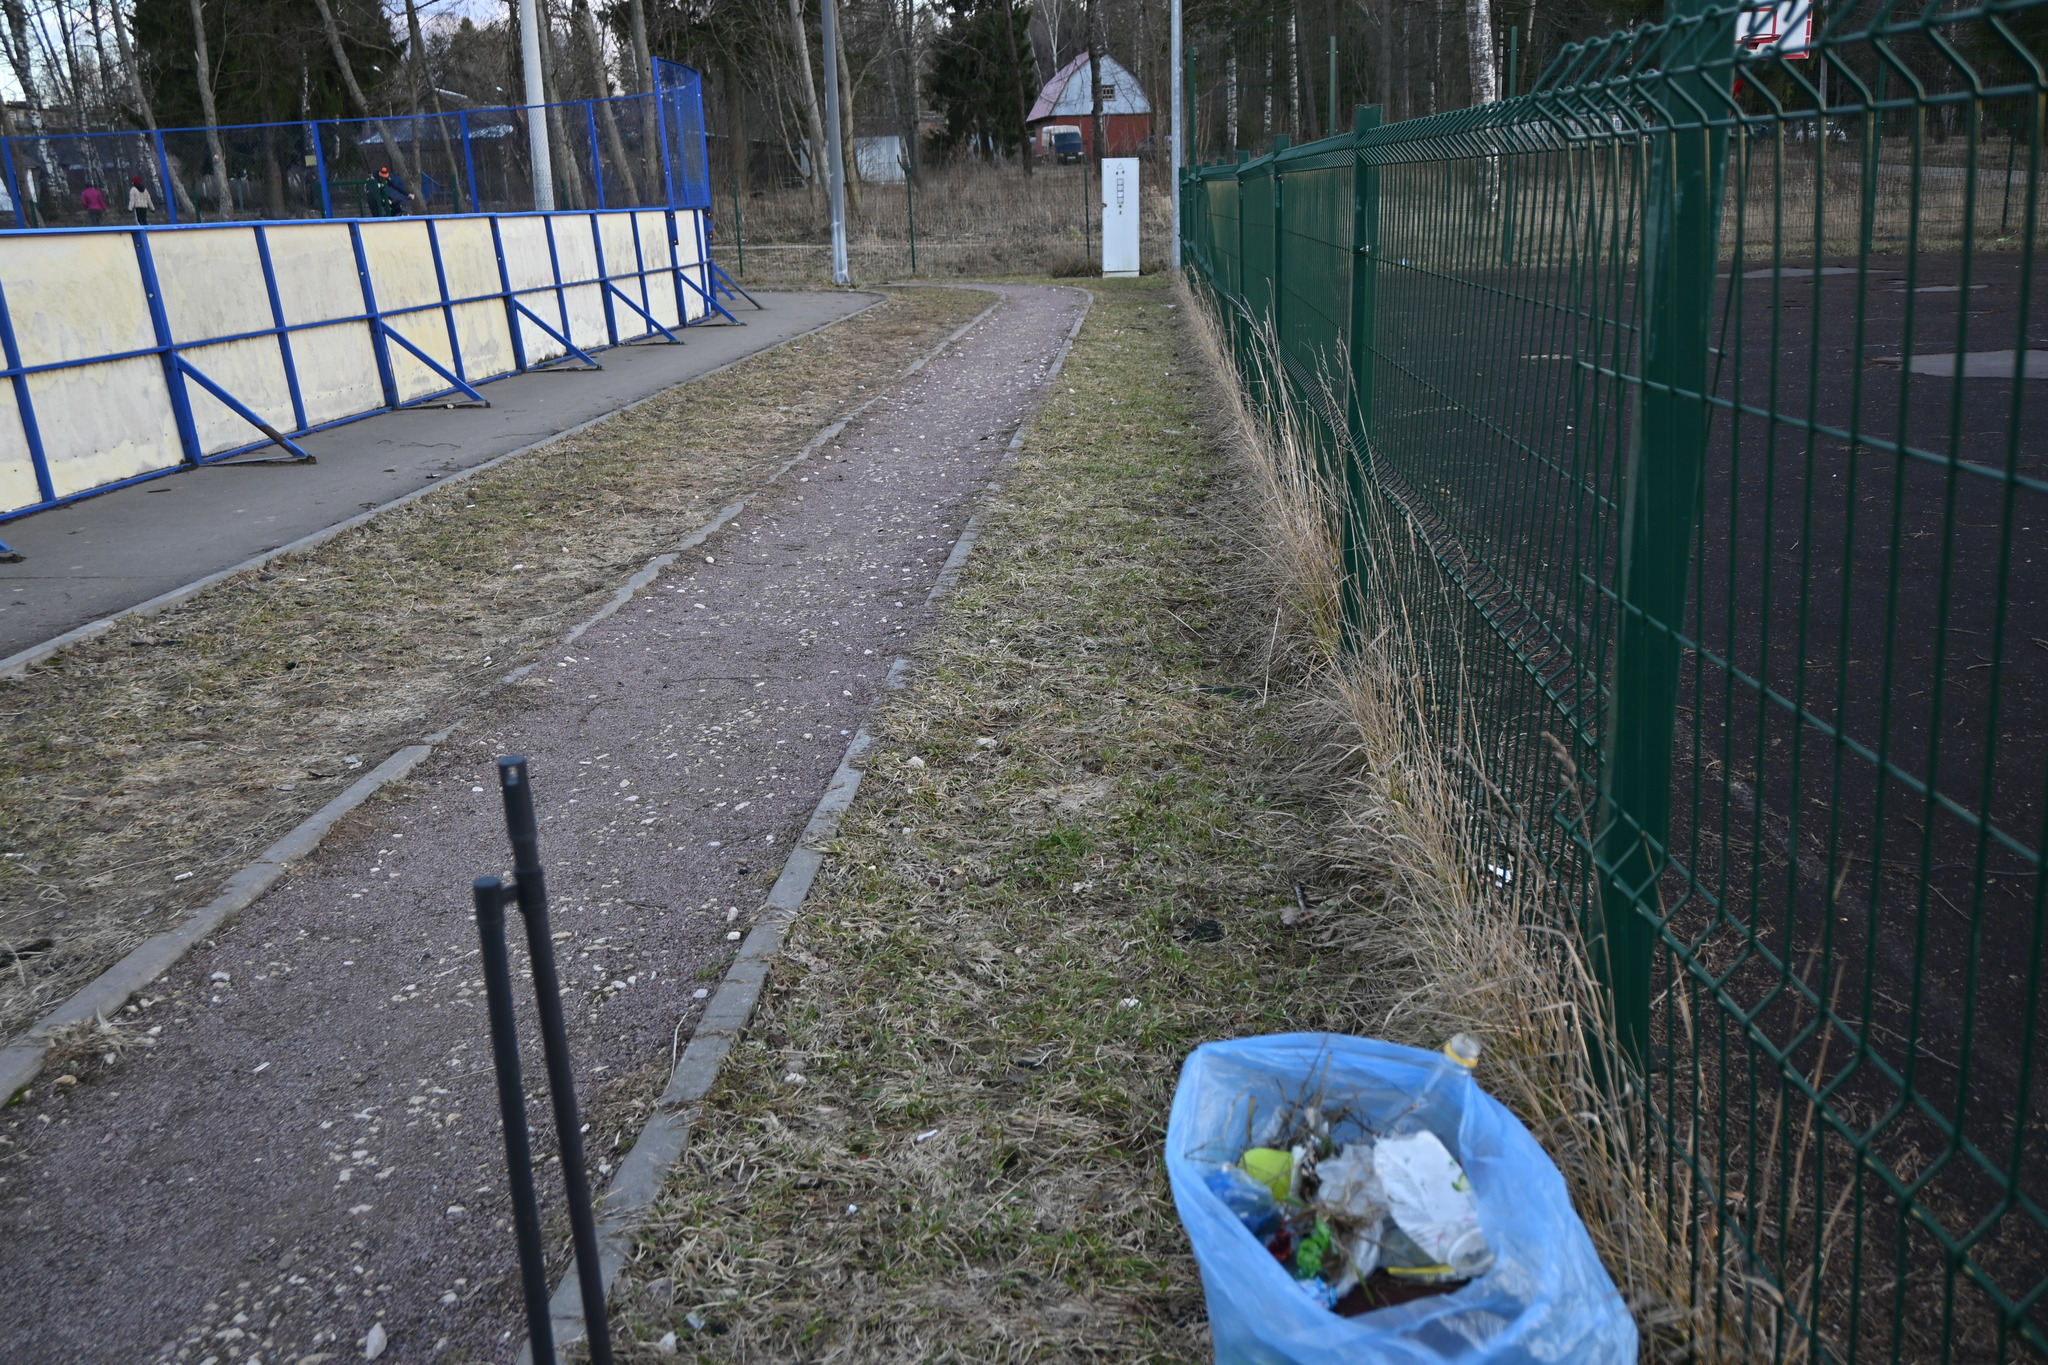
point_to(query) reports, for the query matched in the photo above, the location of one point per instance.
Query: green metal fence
(1714, 381)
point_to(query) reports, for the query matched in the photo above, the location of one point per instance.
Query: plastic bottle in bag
(1247, 1197)
(1449, 1085)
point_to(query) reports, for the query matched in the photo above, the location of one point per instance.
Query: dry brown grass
(1392, 734)
(144, 766)
(940, 1138)
(974, 220)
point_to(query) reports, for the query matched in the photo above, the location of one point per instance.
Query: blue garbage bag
(1547, 1297)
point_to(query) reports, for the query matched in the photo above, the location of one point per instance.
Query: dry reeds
(1458, 938)
(972, 218)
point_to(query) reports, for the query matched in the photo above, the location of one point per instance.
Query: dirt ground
(142, 768)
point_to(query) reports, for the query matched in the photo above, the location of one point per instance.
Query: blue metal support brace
(723, 281)
(505, 284)
(627, 299)
(574, 349)
(284, 336)
(241, 410)
(476, 399)
(711, 302)
(378, 330)
(604, 277)
(167, 348)
(25, 407)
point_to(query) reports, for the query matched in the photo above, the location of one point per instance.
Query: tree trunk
(604, 108)
(142, 105)
(1479, 51)
(846, 146)
(1017, 84)
(458, 183)
(570, 172)
(812, 114)
(650, 132)
(273, 174)
(1095, 82)
(207, 111)
(1384, 84)
(733, 97)
(348, 76)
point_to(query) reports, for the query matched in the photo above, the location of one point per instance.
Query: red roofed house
(1065, 102)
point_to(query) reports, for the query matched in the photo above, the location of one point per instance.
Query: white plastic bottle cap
(1463, 1049)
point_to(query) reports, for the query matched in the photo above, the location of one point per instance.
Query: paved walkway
(313, 1146)
(96, 557)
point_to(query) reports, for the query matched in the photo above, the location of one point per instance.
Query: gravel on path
(311, 1148)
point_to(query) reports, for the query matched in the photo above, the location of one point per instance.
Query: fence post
(469, 165)
(13, 182)
(320, 169)
(1660, 513)
(596, 160)
(1365, 280)
(167, 348)
(163, 170)
(1274, 314)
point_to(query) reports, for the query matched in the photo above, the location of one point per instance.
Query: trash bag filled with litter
(1354, 1200)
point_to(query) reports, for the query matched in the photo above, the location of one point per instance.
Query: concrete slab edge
(665, 1136)
(21, 1061)
(106, 993)
(17, 663)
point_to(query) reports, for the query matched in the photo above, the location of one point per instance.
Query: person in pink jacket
(94, 202)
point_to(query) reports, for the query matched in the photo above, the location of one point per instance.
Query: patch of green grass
(941, 1137)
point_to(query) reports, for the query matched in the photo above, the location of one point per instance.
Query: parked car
(1063, 144)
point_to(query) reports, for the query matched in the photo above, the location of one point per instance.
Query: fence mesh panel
(1714, 381)
(612, 153)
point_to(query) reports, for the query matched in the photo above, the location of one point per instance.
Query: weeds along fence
(633, 151)
(1713, 380)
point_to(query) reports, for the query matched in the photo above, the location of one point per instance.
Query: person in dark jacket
(388, 194)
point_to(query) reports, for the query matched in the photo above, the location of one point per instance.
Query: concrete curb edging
(18, 663)
(109, 991)
(666, 1134)
(22, 1059)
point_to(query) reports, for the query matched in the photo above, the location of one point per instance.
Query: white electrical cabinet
(1120, 217)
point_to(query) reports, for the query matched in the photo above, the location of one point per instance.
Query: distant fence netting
(130, 354)
(632, 151)
(1714, 382)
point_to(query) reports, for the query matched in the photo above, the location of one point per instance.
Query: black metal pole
(531, 888)
(533, 1270)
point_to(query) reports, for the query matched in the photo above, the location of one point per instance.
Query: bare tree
(1017, 84)
(208, 112)
(1095, 79)
(423, 74)
(348, 74)
(643, 65)
(175, 188)
(810, 89)
(846, 141)
(1479, 51)
(602, 87)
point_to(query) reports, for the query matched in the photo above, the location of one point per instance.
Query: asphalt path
(92, 558)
